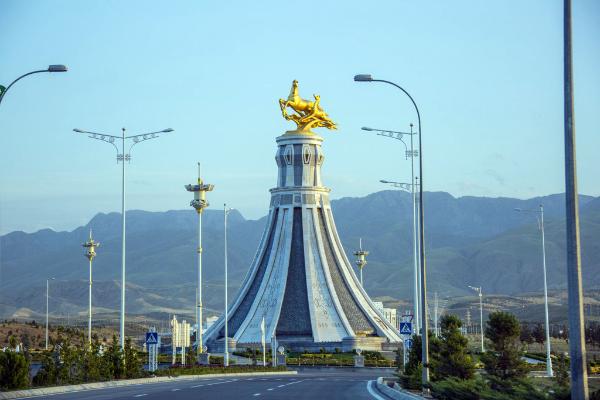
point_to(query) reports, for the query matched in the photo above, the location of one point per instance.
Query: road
(308, 384)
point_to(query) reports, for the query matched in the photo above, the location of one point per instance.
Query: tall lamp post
(122, 157)
(579, 384)
(540, 212)
(226, 212)
(47, 292)
(478, 290)
(90, 252)
(51, 68)
(410, 187)
(199, 203)
(423, 265)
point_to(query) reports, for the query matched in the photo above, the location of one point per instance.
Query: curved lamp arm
(145, 136)
(101, 136)
(51, 68)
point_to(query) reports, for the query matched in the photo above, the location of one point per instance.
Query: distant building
(390, 314)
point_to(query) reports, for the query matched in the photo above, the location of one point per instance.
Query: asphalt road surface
(308, 384)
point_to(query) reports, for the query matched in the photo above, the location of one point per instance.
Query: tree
(539, 335)
(113, 359)
(503, 359)
(133, 366)
(410, 378)
(453, 360)
(526, 337)
(14, 370)
(561, 371)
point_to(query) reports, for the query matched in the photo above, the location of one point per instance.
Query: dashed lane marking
(256, 394)
(174, 390)
(141, 395)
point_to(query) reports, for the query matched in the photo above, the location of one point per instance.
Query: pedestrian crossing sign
(151, 337)
(406, 328)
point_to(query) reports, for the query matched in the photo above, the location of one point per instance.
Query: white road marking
(281, 386)
(256, 394)
(174, 390)
(372, 392)
(196, 386)
(141, 395)
(269, 389)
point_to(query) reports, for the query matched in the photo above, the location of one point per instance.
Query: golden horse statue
(308, 114)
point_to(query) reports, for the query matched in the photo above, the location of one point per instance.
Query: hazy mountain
(470, 240)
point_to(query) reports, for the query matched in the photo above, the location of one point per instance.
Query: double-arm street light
(478, 290)
(47, 292)
(51, 68)
(424, 322)
(540, 215)
(410, 187)
(122, 157)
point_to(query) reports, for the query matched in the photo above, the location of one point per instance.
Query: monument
(301, 281)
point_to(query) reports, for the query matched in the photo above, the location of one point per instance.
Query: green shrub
(14, 370)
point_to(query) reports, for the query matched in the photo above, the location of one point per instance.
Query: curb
(397, 393)
(16, 394)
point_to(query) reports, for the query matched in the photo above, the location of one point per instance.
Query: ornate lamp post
(361, 260)
(199, 203)
(90, 252)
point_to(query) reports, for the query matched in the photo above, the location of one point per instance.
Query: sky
(487, 76)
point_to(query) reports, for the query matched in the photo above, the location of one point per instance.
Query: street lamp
(540, 212)
(90, 252)
(478, 290)
(47, 291)
(122, 157)
(424, 322)
(410, 187)
(199, 203)
(51, 68)
(226, 212)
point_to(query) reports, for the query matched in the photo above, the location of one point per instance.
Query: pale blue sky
(486, 74)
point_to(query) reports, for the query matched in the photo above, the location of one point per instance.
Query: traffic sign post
(408, 343)
(152, 345)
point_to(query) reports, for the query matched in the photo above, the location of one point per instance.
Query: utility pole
(579, 385)
(47, 295)
(226, 212)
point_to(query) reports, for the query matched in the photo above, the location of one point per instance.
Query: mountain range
(476, 241)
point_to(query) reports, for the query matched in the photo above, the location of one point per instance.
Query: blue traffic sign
(406, 328)
(151, 337)
(408, 343)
